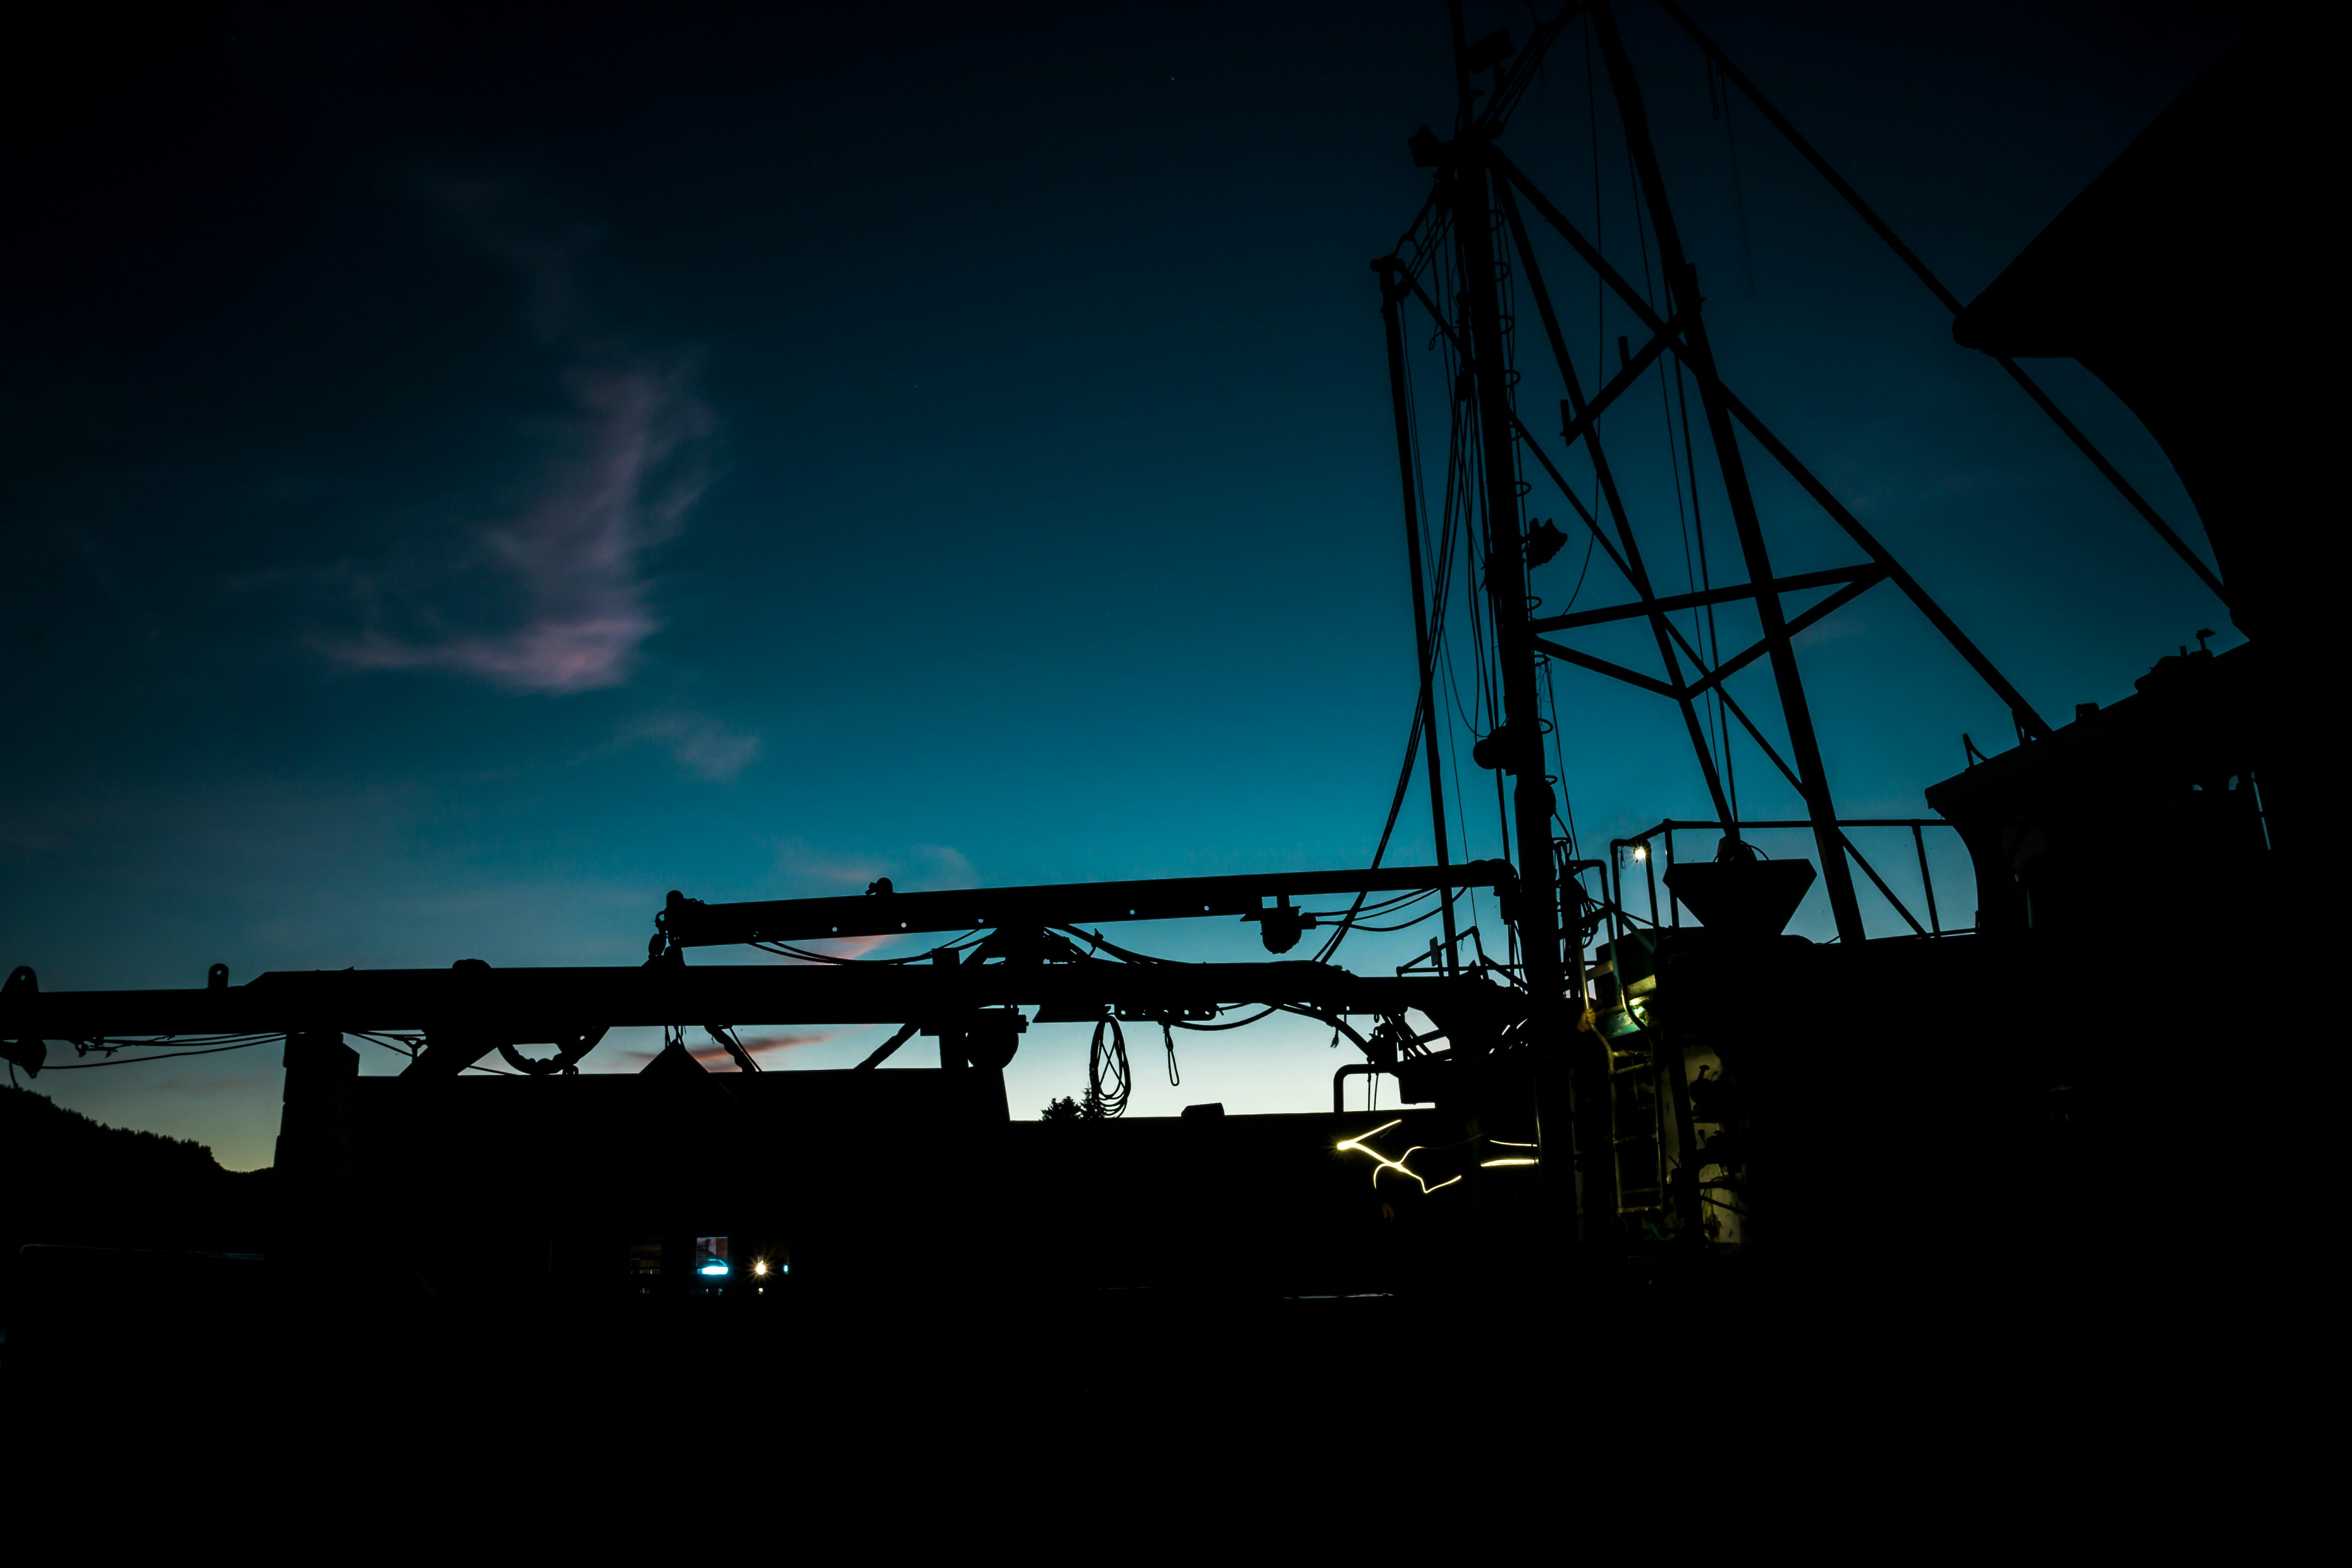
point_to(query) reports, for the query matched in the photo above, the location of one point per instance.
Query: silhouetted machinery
(1621, 1093)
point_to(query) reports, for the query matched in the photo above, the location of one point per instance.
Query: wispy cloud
(920, 867)
(710, 1054)
(703, 747)
(1836, 628)
(579, 551)
(936, 866)
(840, 947)
(824, 871)
(766, 1044)
(616, 477)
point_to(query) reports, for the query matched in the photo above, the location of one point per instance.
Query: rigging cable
(1649, 293)
(1443, 537)
(1462, 818)
(1237, 1023)
(1600, 234)
(405, 1045)
(1718, 99)
(1712, 641)
(810, 955)
(1396, 805)
(1684, 519)
(1478, 567)
(112, 1061)
(1431, 635)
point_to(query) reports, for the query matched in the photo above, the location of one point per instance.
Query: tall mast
(1682, 282)
(1465, 181)
(1579, 1179)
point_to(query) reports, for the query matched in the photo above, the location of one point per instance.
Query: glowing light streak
(1382, 1163)
(1490, 1165)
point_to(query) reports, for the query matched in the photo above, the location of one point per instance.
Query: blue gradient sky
(463, 480)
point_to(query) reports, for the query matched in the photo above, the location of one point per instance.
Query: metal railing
(1663, 835)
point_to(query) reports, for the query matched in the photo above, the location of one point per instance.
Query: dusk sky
(464, 479)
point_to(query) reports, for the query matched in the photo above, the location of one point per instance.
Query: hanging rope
(1168, 1039)
(1107, 1068)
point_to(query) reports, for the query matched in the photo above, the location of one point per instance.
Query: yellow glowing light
(1641, 852)
(1382, 1163)
(761, 1267)
(1490, 1165)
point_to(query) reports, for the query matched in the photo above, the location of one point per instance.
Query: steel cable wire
(169, 1056)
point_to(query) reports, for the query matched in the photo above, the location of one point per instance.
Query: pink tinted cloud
(920, 867)
(759, 1045)
(841, 946)
(634, 468)
(710, 1054)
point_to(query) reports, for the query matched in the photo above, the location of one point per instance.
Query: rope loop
(1106, 1067)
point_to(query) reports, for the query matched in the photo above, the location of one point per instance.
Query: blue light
(714, 1267)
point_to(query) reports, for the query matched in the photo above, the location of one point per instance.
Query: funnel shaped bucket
(1742, 897)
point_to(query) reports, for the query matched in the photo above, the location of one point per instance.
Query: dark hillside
(67, 1179)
